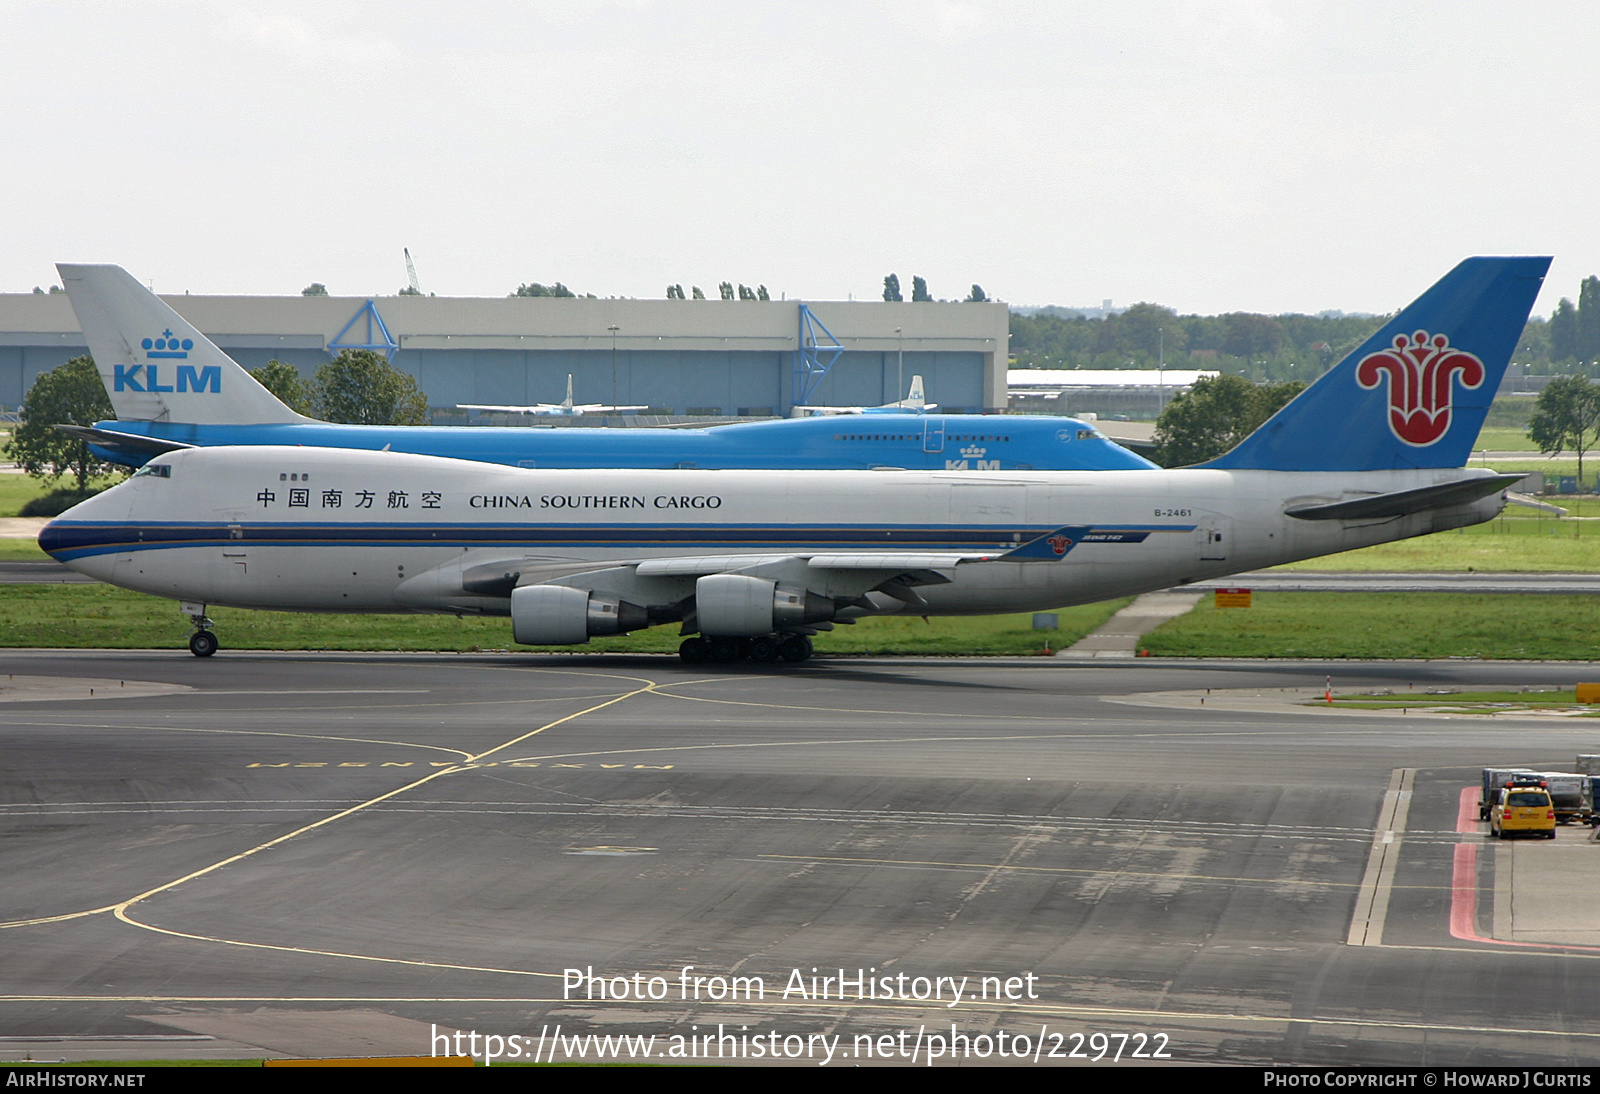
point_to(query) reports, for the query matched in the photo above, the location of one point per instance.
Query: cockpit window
(159, 470)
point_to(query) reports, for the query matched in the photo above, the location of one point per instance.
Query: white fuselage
(340, 530)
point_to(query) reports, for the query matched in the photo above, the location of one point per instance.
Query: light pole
(613, 329)
(1161, 370)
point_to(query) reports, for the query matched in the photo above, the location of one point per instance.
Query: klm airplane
(752, 564)
(172, 389)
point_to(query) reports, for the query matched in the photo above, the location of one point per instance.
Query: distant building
(1059, 311)
(708, 357)
(1135, 393)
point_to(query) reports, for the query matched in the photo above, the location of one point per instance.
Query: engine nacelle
(736, 605)
(559, 615)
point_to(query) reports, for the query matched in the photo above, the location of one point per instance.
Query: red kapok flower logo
(1420, 369)
(1059, 544)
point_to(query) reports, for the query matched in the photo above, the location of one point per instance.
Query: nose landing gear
(203, 642)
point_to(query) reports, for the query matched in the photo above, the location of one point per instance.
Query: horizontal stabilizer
(1532, 502)
(135, 444)
(1404, 502)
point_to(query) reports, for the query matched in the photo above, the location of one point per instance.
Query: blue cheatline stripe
(72, 539)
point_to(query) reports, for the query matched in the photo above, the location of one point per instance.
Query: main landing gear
(203, 642)
(763, 648)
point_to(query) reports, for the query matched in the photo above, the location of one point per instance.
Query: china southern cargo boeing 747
(753, 563)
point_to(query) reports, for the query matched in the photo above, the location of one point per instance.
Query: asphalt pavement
(315, 854)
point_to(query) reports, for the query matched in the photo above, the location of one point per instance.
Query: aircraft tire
(203, 643)
(694, 651)
(725, 651)
(764, 648)
(795, 648)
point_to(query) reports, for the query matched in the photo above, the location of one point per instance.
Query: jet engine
(737, 605)
(557, 615)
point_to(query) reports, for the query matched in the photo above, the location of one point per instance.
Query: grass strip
(1388, 625)
(102, 617)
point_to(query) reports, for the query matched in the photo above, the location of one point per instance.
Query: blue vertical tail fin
(1413, 395)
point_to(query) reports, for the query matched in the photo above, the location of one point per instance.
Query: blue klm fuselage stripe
(69, 539)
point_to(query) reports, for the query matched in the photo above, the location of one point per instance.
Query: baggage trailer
(1493, 779)
(1571, 795)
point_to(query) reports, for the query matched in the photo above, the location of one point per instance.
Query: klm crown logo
(167, 346)
(146, 377)
(973, 452)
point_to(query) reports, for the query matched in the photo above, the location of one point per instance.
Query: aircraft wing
(896, 562)
(859, 572)
(536, 408)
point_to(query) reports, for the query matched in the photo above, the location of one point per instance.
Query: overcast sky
(1211, 156)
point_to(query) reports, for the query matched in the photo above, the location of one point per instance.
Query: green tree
(891, 288)
(1564, 332)
(1534, 345)
(976, 296)
(726, 289)
(316, 288)
(536, 289)
(919, 290)
(699, 293)
(761, 293)
(1144, 329)
(746, 292)
(1249, 335)
(1214, 415)
(1566, 416)
(360, 387)
(674, 292)
(284, 381)
(69, 394)
(1589, 320)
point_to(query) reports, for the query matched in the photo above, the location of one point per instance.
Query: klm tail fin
(154, 364)
(1413, 395)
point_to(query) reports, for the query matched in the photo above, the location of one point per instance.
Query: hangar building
(679, 357)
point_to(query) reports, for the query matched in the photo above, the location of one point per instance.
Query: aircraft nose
(82, 534)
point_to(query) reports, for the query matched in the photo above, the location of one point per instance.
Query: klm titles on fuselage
(595, 501)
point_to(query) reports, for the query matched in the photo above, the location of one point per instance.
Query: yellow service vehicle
(1524, 810)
